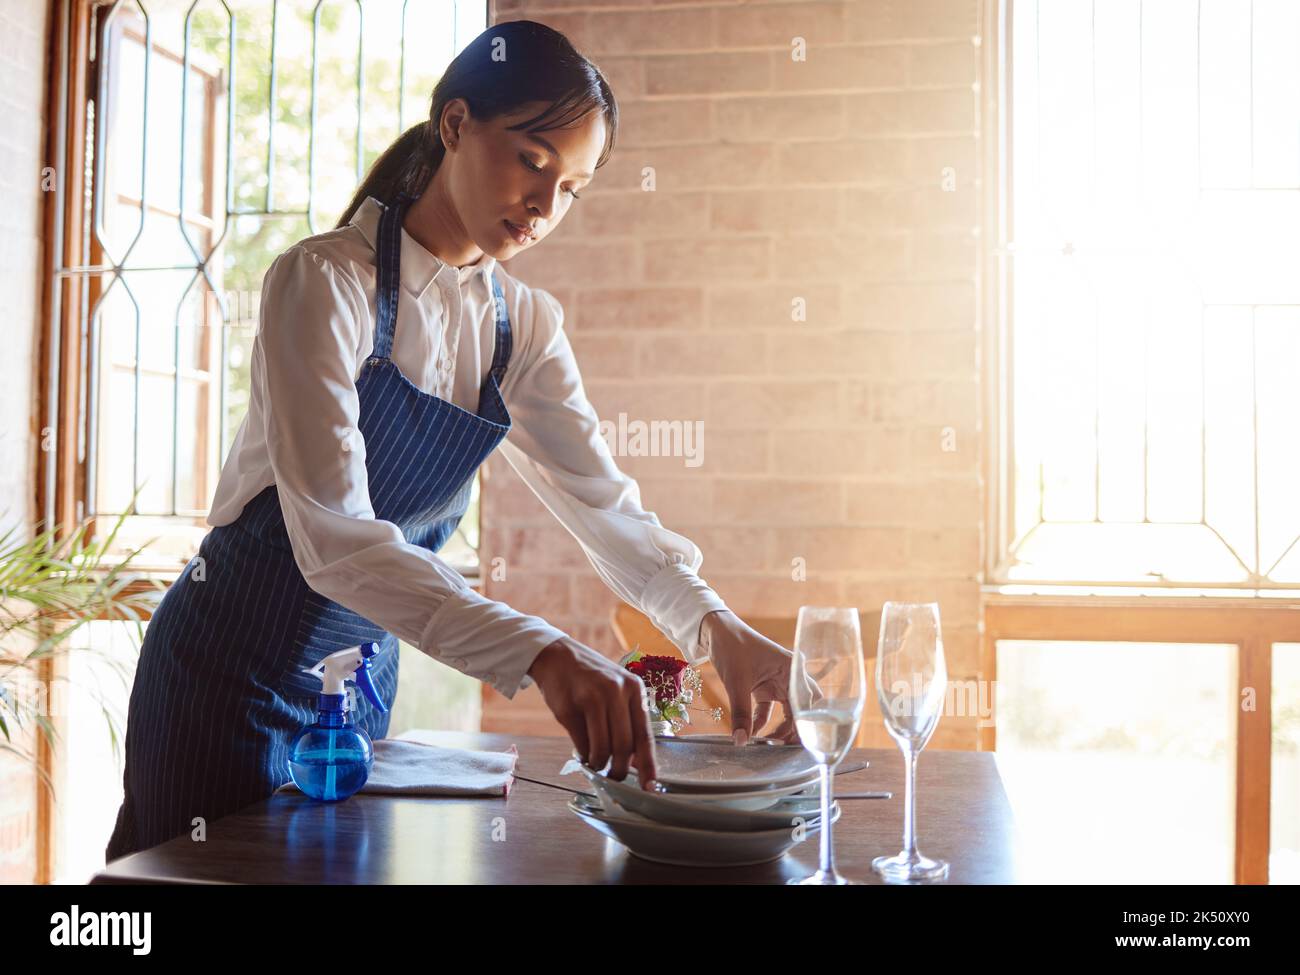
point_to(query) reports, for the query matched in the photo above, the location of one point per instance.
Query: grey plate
(683, 810)
(718, 739)
(720, 766)
(690, 847)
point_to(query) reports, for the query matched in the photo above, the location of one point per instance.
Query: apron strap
(501, 354)
(389, 253)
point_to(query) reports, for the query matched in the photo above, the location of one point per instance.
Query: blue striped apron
(219, 689)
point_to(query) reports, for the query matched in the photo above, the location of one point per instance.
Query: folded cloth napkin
(407, 766)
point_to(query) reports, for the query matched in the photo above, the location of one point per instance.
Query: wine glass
(911, 681)
(827, 692)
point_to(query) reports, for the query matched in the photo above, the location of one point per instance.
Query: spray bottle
(331, 759)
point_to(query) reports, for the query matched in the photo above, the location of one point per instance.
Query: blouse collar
(420, 268)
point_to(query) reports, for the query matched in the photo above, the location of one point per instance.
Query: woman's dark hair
(504, 67)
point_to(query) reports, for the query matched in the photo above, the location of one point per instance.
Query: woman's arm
(556, 447)
(303, 362)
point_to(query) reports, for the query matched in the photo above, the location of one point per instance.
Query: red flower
(661, 673)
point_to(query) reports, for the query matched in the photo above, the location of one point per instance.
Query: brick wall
(23, 24)
(849, 440)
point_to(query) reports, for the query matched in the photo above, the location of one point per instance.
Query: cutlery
(592, 795)
(564, 788)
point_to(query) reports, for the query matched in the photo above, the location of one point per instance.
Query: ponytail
(406, 166)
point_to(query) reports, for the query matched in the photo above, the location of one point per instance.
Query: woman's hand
(600, 704)
(753, 669)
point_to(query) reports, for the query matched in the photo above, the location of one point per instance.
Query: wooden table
(531, 837)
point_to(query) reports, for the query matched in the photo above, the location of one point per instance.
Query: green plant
(51, 587)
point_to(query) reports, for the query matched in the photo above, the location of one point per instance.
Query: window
(1118, 759)
(1284, 820)
(1153, 195)
(1142, 194)
(215, 138)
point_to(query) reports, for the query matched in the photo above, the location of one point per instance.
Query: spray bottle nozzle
(352, 663)
(363, 679)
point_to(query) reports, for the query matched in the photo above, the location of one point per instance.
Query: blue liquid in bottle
(331, 759)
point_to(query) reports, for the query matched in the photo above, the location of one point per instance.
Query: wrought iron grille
(1154, 190)
(217, 134)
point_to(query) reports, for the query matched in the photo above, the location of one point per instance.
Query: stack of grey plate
(718, 804)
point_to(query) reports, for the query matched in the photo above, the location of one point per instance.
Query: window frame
(70, 370)
(1252, 620)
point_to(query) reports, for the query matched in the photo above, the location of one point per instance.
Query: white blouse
(316, 329)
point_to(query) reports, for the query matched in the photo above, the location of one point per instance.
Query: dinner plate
(748, 799)
(721, 766)
(754, 799)
(719, 739)
(678, 846)
(687, 811)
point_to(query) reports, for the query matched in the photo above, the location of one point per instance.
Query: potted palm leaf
(50, 588)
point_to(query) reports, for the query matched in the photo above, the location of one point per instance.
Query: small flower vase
(670, 687)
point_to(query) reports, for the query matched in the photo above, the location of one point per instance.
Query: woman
(393, 356)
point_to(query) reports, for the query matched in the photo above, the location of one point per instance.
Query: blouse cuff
(676, 600)
(504, 641)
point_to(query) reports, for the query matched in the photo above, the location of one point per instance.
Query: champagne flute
(911, 682)
(827, 693)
